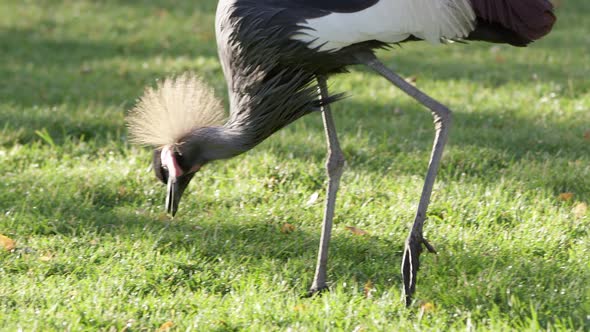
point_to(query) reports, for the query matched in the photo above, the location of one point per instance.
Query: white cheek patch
(390, 21)
(168, 161)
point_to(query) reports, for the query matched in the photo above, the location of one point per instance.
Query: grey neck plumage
(214, 143)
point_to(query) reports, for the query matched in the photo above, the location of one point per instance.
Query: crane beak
(175, 189)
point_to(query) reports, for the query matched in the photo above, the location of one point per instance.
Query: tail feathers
(517, 22)
(496, 33)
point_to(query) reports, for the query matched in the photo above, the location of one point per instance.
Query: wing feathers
(390, 21)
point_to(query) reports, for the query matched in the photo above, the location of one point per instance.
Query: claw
(411, 264)
(429, 247)
(316, 292)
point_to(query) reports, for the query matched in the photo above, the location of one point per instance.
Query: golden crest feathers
(171, 110)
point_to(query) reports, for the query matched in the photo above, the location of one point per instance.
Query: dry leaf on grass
(369, 289)
(359, 328)
(46, 258)
(122, 191)
(412, 79)
(425, 308)
(166, 327)
(161, 13)
(7, 243)
(164, 217)
(287, 228)
(356, 231)
(566, 197)
(580, 210)
(299, 307)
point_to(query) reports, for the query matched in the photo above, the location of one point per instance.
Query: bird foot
(316, 291)
(429, 246)
(411, 263)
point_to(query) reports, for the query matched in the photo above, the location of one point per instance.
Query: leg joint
(444, 113)
(335, 162)
(442, 117)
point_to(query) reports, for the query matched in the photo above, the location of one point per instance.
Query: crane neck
(207, 144)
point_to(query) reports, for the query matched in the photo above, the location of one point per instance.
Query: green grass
(96, 252)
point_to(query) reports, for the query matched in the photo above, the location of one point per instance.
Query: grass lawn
(95, 251)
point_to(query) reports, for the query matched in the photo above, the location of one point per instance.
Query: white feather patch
(173, 109)
(390, 21)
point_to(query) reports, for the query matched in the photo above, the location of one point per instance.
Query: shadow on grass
(487, 282)
(482, 145)
(90, 99)
(255, 241)
(43, 71)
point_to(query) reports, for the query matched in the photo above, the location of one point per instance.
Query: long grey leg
(334, 167)
(442, 121)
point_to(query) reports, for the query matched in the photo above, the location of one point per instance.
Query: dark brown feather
(528, 20)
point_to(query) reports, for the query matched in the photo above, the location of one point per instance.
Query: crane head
(168, 165)
(176, 118)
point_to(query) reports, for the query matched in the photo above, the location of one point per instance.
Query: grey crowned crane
(276, 57)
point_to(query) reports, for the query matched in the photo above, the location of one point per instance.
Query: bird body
(272, 50)
(276, 56)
